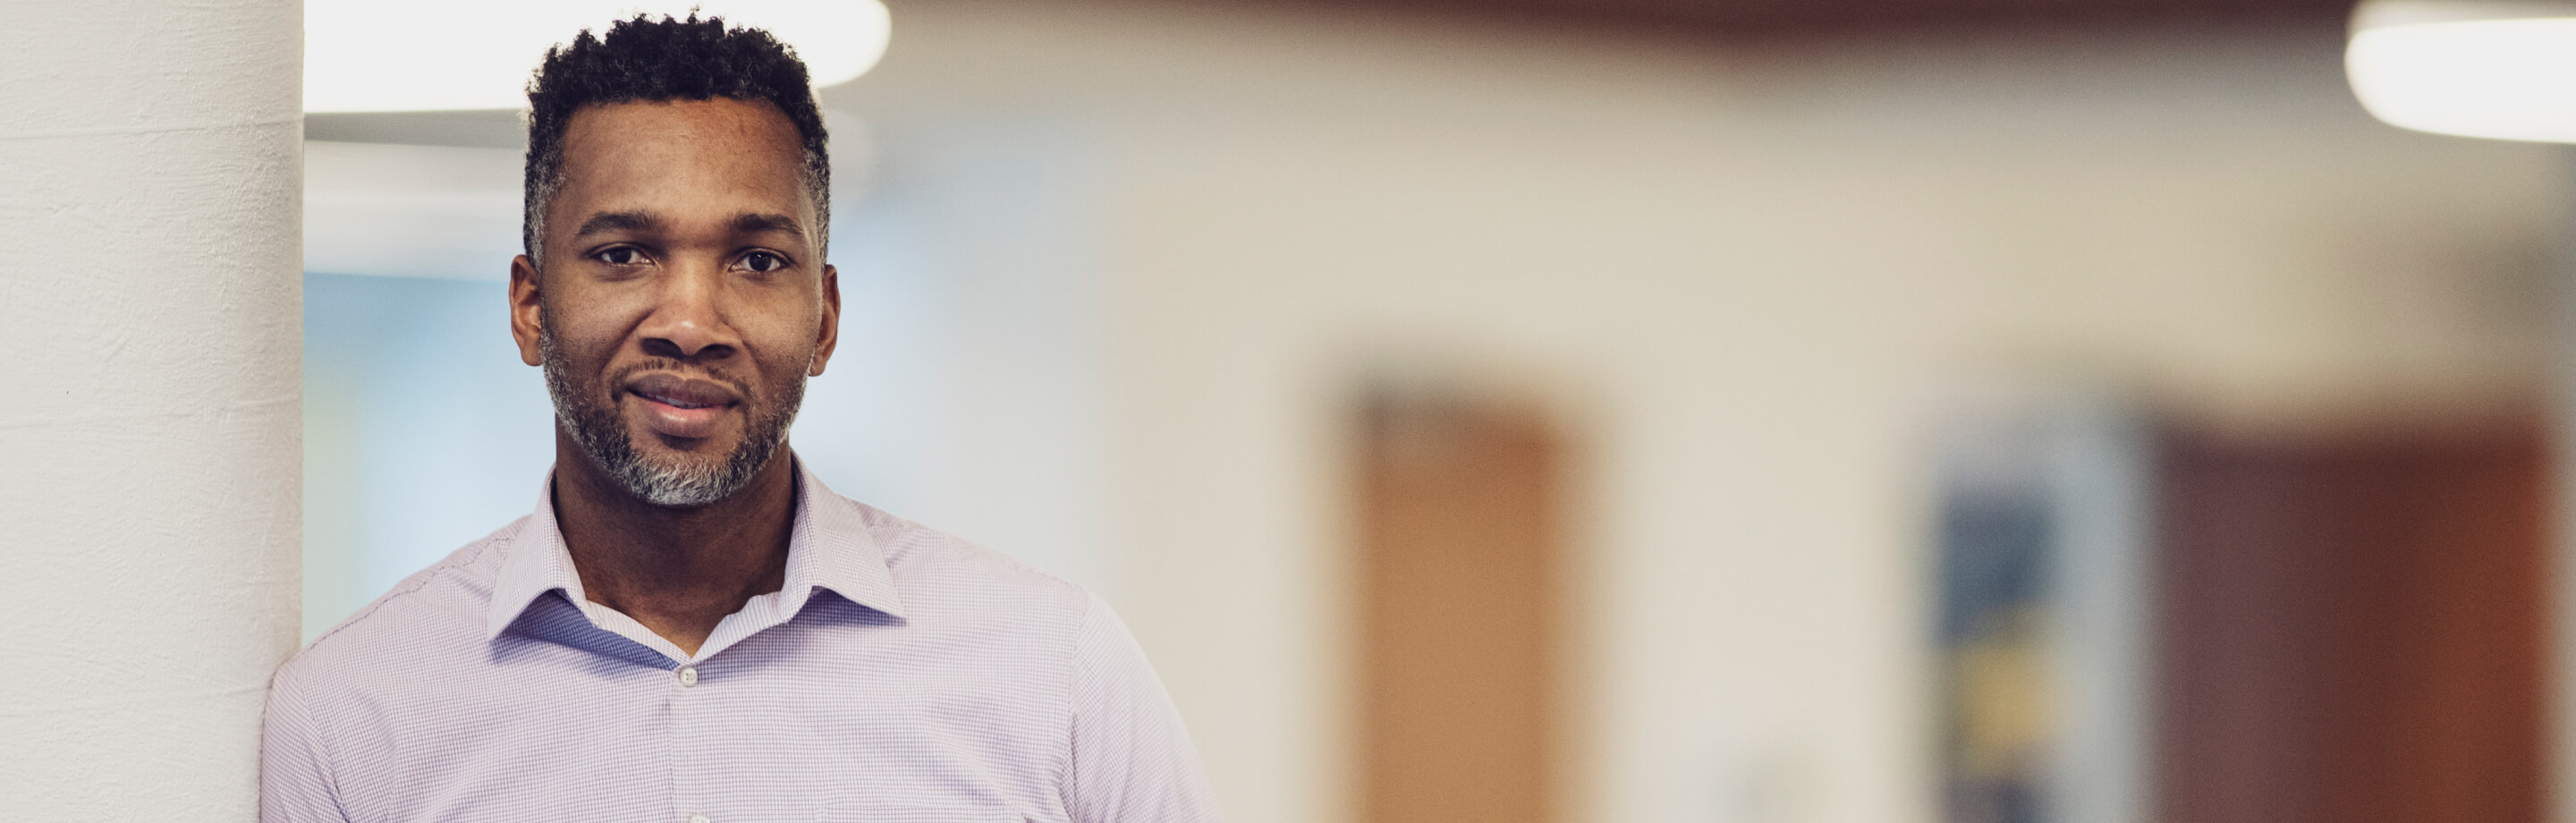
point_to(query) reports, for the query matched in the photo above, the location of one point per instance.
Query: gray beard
(602, 435)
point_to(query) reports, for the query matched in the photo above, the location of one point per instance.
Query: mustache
(626, 373)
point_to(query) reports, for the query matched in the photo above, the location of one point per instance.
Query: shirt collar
(829, 547)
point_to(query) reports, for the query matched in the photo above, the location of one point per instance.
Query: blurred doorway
(1461, 516)
(2353, 627)
(2146, 619)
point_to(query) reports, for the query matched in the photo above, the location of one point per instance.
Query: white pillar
(150, 324)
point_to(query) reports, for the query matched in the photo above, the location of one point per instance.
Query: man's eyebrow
(757, 223)
(604, 222)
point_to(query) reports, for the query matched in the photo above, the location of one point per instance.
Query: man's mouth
(682, 407)
(677, 402)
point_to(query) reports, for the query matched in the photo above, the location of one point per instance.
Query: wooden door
(1460, 513)
(2353, 628)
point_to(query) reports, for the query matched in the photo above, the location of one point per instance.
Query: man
(690, 628)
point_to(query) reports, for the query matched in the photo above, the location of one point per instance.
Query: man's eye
(620, 256)
(761, 261)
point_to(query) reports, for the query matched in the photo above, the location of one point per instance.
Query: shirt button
(689, 677)
(696, 818)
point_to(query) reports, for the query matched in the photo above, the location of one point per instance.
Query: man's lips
(683, 407)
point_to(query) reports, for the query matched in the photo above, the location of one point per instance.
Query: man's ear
(526, 320)
(831, 331)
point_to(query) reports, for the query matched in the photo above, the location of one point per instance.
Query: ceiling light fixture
(2468, 67)
(370, 55)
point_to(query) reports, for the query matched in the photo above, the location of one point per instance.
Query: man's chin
(682, 474)
(665, 451)
(693, 465)
(678, 485)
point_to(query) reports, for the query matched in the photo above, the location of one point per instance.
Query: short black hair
(668, 59)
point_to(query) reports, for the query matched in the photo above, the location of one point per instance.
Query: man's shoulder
(432, 610)
(938, 574)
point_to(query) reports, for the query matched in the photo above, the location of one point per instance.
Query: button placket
(689, 784)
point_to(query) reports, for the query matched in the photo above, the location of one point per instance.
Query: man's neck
(678, 571)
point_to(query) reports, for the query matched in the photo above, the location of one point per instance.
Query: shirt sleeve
(295, 784)
(1132, 762)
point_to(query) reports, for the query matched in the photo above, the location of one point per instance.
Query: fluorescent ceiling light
(373, 55)
(2478, 69)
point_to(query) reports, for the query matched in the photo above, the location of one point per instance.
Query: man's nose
(688, 317)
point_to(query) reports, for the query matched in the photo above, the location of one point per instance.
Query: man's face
(684, 298)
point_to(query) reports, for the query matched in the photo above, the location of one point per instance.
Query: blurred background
(1991, 411)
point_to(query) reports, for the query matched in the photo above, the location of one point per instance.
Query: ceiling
(1707, 20)
(1777, 19)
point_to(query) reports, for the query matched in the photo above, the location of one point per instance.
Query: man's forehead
(681, 127)
(652, 222)
(749, 124)
(715, 158)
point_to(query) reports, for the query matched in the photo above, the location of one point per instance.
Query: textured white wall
(149, 294)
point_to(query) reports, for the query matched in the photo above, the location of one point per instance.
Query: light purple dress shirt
(902, 675)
